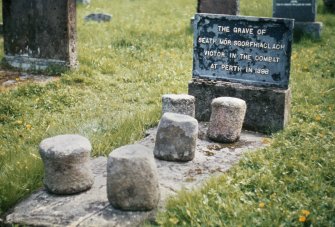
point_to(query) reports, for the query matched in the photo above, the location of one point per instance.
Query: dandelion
(302, 219)
(261, 205)
(28, 126)
(318, 118)
(17, 79)
(305, 213)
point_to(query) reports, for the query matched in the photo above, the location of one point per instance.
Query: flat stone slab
(91, 208)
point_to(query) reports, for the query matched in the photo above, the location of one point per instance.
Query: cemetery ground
(126, 65)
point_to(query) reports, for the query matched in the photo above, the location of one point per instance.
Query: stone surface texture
(181, 103)
(176, 137)
(85, 2)
(268, 109)
(231, 7)
(312, 29)
(66, 161)
(300, 10)
(226, 119)
(40, 33)
(132, 180)
(92, 208)
(330, 5)
(98, 17)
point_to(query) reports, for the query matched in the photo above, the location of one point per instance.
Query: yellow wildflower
(305, 213)
(302, 218)
(19, 122)
(318, 118)
(261, 205)
(28, 126)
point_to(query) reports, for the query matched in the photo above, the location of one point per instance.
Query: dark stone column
(40, 33)
(231, 7)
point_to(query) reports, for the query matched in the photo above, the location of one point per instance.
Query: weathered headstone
(40, 33)
(231, 7)
(303, 11)
(98, 17)
(247, 58)
(330, 5)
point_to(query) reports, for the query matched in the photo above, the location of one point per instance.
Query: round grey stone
(226, 119)
(132, 179)
(66, 161)
(181, 103)
(176, 137)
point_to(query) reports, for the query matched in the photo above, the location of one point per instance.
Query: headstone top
(300, 10)
(242, 49)
(227, 101)
(231, 7)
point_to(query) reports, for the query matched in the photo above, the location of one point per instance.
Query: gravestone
(40, 33)
(303, 11)
(329, 5)
(231, 7)
(246, 58)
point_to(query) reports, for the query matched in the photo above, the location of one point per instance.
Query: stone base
(313, 29)
(27, 63)
(268, 109)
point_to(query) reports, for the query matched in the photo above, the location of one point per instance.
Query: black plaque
(300, 10)
(248, 50)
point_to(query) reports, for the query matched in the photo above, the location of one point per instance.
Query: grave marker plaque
(300, 10)
(39, 33)
(247, 50)
(246, 58)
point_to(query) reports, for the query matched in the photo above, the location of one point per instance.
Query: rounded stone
(66, 161)
(176, 137)
(132, 179)
(178, 103)
(226, 119)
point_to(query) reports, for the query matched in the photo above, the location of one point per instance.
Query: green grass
(292, 179)
(125, 67)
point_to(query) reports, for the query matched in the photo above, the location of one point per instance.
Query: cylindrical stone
(176, 137)
(226, 119)
(181, 103)
(132, 179)
(66, 161)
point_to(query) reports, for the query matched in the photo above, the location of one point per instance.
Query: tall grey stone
(40, 33)
(226, 119)
(176, 137)
(181, 103)
(67, 168)
(132, 180)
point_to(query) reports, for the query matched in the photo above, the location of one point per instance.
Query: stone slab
(91, 208)
(268, 109)
(312, 29)
(40, 33)
(231, 7)
(247, 50)
(300, 10)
